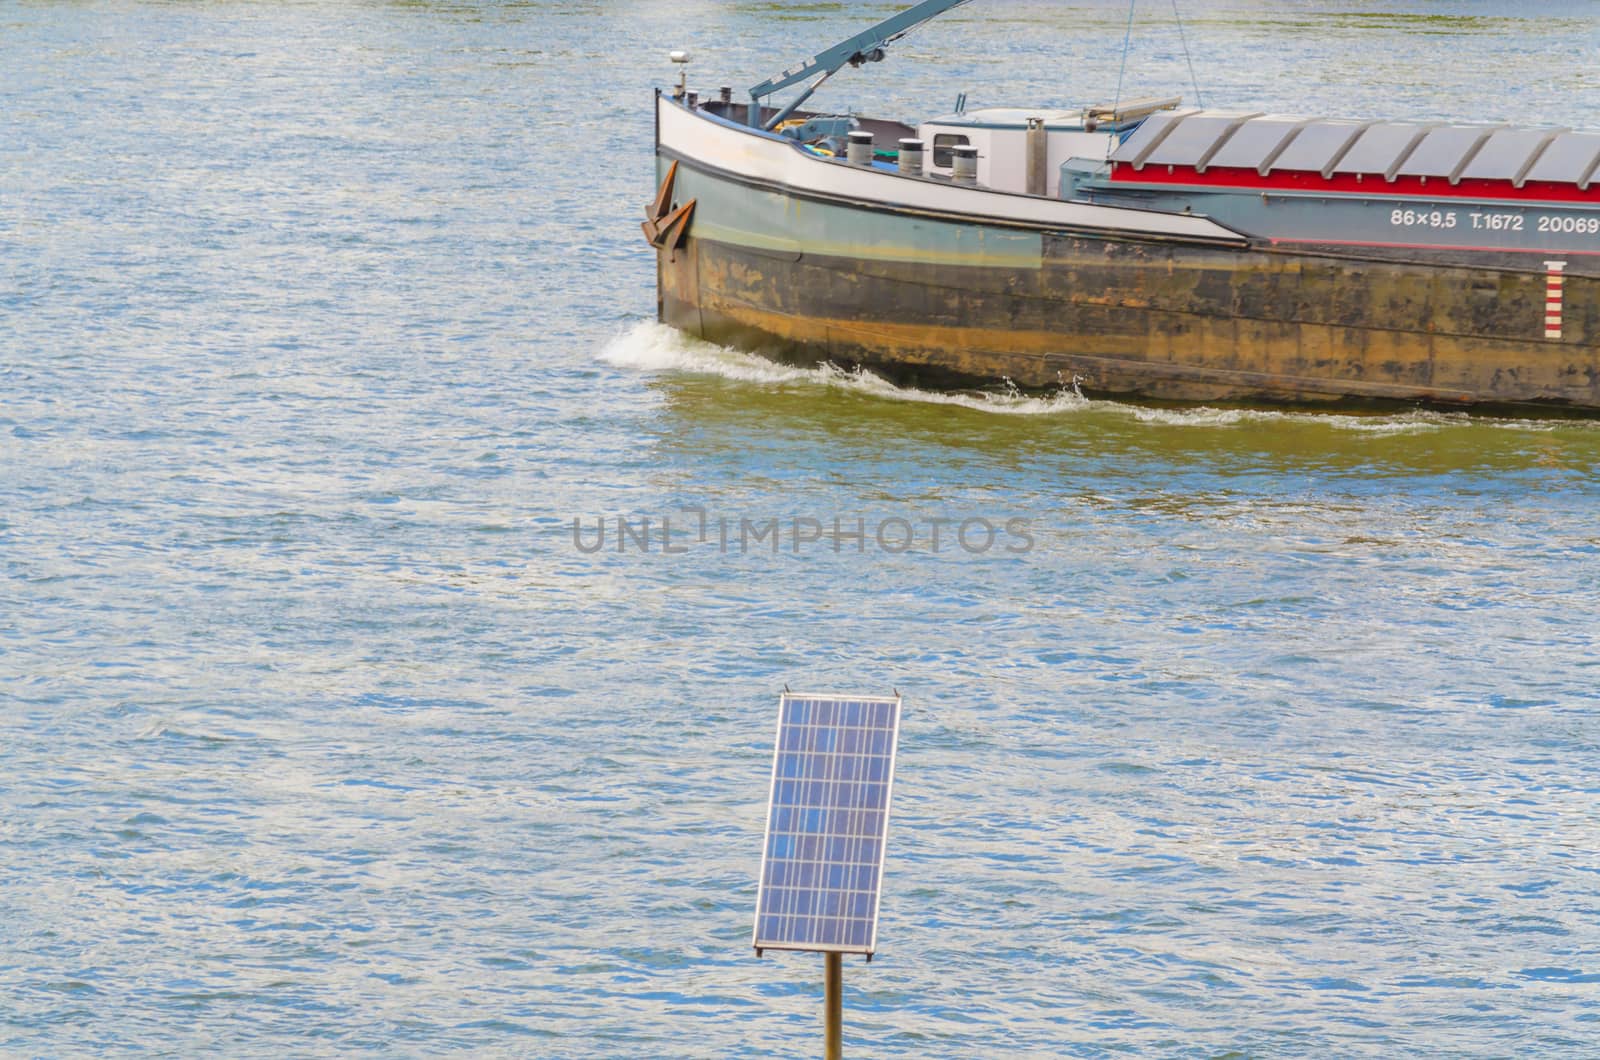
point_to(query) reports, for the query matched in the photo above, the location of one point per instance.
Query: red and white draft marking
(1552, 298)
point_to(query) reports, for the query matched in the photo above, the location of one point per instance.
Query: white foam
(654, 347)
(1415, 422)
(658, 348)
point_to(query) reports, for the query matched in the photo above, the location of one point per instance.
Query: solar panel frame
(868, 940)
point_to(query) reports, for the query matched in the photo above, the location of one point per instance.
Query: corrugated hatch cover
(1269, 142)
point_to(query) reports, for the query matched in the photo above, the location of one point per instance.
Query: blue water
(320, 734)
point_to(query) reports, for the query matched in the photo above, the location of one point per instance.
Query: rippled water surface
(320, 734)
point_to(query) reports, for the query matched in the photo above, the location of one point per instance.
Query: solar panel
(827, 819)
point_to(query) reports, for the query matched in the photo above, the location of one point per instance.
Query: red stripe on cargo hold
(1352, 183)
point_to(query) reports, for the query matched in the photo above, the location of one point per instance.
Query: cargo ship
(1137, 250)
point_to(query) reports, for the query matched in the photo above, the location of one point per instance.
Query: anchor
(666, 228)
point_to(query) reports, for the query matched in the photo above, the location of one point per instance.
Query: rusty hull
(1153, 321)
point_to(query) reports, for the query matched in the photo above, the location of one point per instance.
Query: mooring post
(858, 149)
(832, 1005)
(910, 161)
(964, 164)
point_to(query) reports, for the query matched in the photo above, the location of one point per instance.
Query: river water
(323, 733)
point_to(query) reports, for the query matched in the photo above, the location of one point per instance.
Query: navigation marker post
(827, 822)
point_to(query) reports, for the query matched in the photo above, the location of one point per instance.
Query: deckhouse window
(942, 143)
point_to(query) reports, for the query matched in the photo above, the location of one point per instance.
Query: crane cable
(1187, 57)
(1127, 38)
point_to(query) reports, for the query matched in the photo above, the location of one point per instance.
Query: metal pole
(832, 1006)
(1038, 148)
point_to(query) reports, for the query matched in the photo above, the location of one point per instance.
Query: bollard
(964, 168)
(860, 150)
(911, 157)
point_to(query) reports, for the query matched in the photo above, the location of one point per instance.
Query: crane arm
(866, 46)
